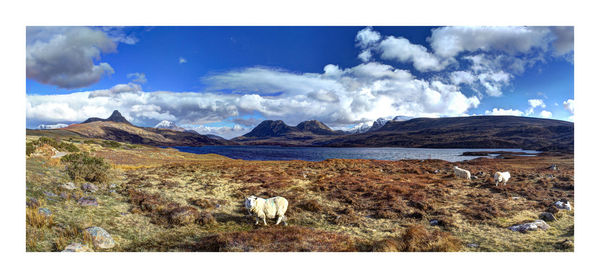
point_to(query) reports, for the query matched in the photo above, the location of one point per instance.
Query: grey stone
(531, 226)
(434, 222)
(547, 216)
(68, 186)
(90, 187)
(472, 245)
(562, 204)
(553, 167)
(87, 201)
(100, 237)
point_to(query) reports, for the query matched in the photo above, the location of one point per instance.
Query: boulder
(434, 222)
(553, 167)
(77, 247)
(562, 204)
(68, 186)
(90, 187)
(547, 216)
(87, 201)
(473, 245)
(531, 226)
(100, 237)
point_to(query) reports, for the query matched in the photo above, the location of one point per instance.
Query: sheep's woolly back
(272, 207)
(501, 177)
(462, 173)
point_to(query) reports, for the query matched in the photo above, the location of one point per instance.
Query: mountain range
(117, 128)
(449, 132)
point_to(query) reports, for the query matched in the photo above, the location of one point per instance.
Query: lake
(320, 154)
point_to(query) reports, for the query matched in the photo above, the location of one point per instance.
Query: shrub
(69, 147)
(83, 167)
(111, 144)
(418, 239)
(29, 148)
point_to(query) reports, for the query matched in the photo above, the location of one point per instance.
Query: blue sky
(225, 80)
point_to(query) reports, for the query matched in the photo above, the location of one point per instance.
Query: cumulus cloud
(504, 112)
(536, 103)
(65, 56)
(569, 104)
(402, 50)
(450, 41)
(226, 132)
(137, 77)
(336, 96)
(52, 126)
(545, 114)
(182, 60)
(367, 37)
(460, 77)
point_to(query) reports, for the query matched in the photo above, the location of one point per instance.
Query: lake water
(319, 154)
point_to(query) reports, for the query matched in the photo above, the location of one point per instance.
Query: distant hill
(117, 128)
(277, 132)
(114, 117)
(467, 132)
(169, 125)
(450, 132)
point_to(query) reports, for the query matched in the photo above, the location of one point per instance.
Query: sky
(226, 80)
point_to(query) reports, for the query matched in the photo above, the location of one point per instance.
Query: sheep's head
(249, 203)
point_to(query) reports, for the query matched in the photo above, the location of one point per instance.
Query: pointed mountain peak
(114, 117)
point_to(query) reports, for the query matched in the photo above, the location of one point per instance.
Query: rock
(553, 167)
(32, 203)
(59, 154)
(77, 247)
(434, 222)
(547, 216)
(90, 187)
(45, 211)
(436, 171)
(50, 194)
(100, 237)
(472, 245)
(87, 201)
(68, 186)
(562, 204)
(532, 226)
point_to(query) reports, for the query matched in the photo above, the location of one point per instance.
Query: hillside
(117, 128)
(278, 133)
(451, 132)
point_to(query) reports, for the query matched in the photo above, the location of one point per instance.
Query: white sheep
(501, 177)
(267, 208)
(462, 173)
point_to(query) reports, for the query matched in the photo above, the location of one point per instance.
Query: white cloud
(226, 132)
(337, 97)
(137, 77)
(402, 50)
(546, 114)
(367, 37)
(504, 112)
(450, 41)
(460, 77)
(65, 56)
(569, 104)
(365, 55)
(182, 60)
(536, 103)
(52, 126)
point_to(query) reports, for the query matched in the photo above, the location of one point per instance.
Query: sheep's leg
(284, 220)
(256, 221)
(279, 220)
(265, 220)
(496, 183)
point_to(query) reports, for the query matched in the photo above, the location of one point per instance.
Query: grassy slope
(335, 205)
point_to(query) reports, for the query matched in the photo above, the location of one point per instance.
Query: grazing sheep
(267, 208)
(501, 177)
(462, 173)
